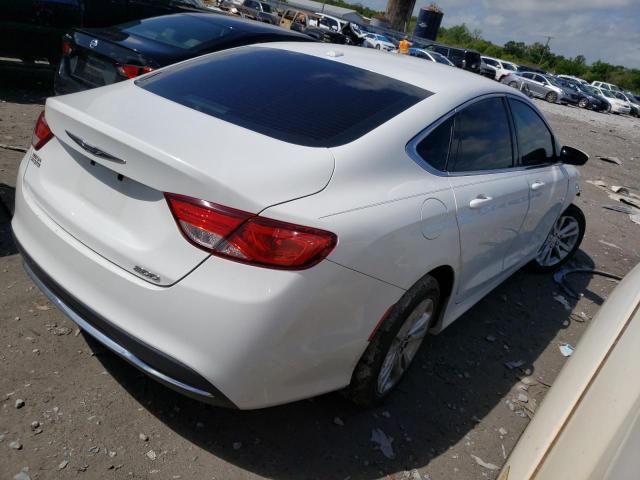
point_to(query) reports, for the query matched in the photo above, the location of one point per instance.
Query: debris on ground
(523, 398)
(513, 364)
(482, 463)
(63, 464)
(628, 200)
(413, 475)
(619, 189)
(144, 437)
(561, 299)
(15, 445)
(614, 160)
(580, 317)
(621, 209)
(19, 403)
(608, 244)
(338, 421)
(502, 431)
(22, 476)
(635, 218)
(384, 443)
(566, 349)
(15, 148)
(151, 455)
(597, 183)
(560, 276)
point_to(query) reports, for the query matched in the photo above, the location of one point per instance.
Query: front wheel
(562, 242)
(377, 47)
(395, 344)
(552, 97)
(583, 103)
(513, 84)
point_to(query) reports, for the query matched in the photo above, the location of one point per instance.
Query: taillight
(67, 48)
(248, 238)
(41, 133)
(132, 71)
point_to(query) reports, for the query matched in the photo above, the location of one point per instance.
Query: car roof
(430, 76)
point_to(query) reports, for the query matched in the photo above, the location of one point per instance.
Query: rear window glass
(289, 96)
(180, 31)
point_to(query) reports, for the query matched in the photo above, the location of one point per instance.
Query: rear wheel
(377, 47)
(395, 344)
(562, 242)
(513, 84)
(583, 103)
(551, 97)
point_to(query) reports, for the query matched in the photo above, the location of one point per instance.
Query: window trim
(411, 146)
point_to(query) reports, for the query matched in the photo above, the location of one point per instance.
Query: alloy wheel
(405, 345)
(560, 243)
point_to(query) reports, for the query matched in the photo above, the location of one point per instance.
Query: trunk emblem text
(147, 273)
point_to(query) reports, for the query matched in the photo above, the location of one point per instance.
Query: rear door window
(483, 137)
(535, 142)
(289, 96)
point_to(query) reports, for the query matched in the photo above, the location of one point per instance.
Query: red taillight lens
(66, 47)
(247, 238)
(132, 71)
(41, 133)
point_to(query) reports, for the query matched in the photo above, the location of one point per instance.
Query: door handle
(479, 201)
(537, 185)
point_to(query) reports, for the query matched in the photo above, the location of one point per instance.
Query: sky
(608, 30)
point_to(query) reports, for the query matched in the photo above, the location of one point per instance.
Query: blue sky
(598, 29)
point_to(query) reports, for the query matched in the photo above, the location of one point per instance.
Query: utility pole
(549, 37)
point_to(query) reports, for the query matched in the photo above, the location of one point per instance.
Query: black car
(30, 30)
(460, 57)
(94, 57)
(576, 96)
(597, 101)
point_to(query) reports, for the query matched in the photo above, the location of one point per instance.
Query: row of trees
(540, 55)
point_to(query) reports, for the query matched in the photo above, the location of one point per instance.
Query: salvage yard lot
(457, 415)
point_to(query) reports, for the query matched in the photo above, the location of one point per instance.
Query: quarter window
(483, 137)
(535, 142)
(434, 148)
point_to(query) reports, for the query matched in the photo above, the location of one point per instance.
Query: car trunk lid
(103, 177)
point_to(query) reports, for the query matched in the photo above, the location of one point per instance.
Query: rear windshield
(180, 31)
(289, 96)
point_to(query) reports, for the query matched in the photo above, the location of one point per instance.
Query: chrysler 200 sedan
(249, 247)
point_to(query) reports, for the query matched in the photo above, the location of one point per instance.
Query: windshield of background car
(509, 66)
(382, 38)
(488, 61)
(619, 96)
(266, 8)
(289, 96)
(180, 31)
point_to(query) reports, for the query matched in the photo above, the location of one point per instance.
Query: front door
(547, 180)
(492, 197)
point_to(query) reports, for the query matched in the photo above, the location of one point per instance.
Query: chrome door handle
(479, 201)
(537, 185)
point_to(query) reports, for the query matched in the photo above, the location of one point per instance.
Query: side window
(527, 75)
(289, 14)
(483, 137)
(535, 142)
(541, 79)
(434, 148)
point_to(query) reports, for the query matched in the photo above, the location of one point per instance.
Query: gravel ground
(88, 414)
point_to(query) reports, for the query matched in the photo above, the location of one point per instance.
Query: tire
(551, 97)
(571, 216)
(583, 103)
(378, 47)
(418, 307)
(513, 84)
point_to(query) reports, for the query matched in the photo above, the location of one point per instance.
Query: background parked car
(256, 10)
(460, 57)
(99, 56)
(32, 29)
(598, 102)
(430, 55)
(502, 68)
(378, 41)
(573, 79)
(588, 426)
(606, 86)
(617, 102)
(539, 85)
(634, 103)
(573, 95)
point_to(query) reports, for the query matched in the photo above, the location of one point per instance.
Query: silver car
(537, 84)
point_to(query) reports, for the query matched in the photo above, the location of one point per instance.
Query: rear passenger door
(546, 178)
(491, 195)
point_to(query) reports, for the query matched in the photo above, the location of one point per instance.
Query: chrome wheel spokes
(560, 242)
(405, 345)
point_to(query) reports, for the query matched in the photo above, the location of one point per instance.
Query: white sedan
(248, 247)
(379, 42)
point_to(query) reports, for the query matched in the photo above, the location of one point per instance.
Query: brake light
(66, 47)
(41, 133)
(248, 238)
(132, 71)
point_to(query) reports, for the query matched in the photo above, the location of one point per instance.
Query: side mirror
(573, 156)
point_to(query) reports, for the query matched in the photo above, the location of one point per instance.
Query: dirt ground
(97, 417)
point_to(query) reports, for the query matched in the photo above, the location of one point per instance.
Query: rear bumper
(157, 365)
(246, 336)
